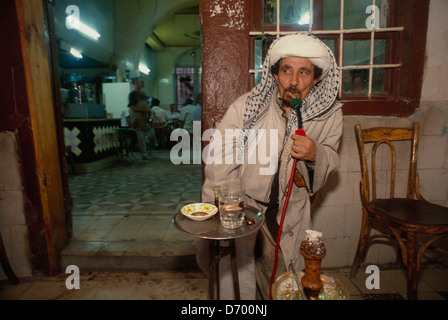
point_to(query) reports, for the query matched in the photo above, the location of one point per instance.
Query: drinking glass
(231, 207)
(218, 190)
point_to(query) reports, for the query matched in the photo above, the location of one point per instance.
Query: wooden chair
(405, 216)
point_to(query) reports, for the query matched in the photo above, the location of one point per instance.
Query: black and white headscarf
(320, 102)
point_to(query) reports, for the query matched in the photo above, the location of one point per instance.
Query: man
(173, 117)
(296, 66)
(197, 112)
(138, 103)
(159, 122)
(186, 116)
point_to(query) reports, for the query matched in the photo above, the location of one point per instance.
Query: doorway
(127, 207)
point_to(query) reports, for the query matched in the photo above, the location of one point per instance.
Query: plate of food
(199, 211)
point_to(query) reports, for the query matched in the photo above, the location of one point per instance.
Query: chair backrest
(394, 139)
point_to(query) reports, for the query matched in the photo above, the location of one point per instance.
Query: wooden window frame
(403, 84)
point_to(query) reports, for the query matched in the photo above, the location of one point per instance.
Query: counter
(93, 142)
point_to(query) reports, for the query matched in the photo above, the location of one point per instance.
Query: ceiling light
(76, 53)
(81, 27)
(144, 69)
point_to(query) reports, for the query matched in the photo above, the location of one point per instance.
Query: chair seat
(412, 215)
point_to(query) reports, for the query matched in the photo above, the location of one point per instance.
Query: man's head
(297, 63)
(155, 102)
(319, 100)
(136, 83)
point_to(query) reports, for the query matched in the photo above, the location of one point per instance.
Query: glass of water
(231, 207)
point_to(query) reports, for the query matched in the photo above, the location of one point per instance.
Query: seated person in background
(197, 112)
(159, 122)
(173, 118)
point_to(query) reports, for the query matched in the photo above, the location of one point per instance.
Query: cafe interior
(75, 192)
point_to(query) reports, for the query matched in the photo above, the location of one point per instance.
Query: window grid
(341, 33)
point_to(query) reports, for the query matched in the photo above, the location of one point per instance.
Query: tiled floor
(125, 211)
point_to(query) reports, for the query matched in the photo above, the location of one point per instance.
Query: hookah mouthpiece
(296, 103)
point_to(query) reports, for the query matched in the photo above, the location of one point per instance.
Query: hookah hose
(296, 104)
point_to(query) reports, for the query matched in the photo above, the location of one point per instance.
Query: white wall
(13, 227)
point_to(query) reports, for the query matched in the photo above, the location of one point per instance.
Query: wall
(148, 58)
(139, 18)
(98, 16)
(13, 227)
(338, 214)
(33, 217)
(166, 62)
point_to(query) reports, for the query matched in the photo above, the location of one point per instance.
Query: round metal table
(212, 230)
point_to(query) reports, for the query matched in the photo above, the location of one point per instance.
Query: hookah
(311, 285)
(295, 104)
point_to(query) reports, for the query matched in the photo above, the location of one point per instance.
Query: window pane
(258, 60)
(355, 15)
(355, 82)
(332, 15)
(379, 75)
(331, 44)
(378, 80)
(261, 48)
(379, 52)
(291, 12)
(356, 52)
(358, 14)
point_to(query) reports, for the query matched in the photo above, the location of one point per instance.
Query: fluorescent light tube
(81, 27)
(144, 69)
(76, 53)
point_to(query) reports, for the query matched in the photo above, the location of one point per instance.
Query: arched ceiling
(181, 29)
(158, 24)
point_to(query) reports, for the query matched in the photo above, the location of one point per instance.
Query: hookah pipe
(296, 104)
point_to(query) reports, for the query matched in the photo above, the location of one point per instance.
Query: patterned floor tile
(154, 188)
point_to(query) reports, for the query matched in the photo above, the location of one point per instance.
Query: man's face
(295, 78)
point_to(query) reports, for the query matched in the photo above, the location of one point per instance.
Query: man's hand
(303, 148)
